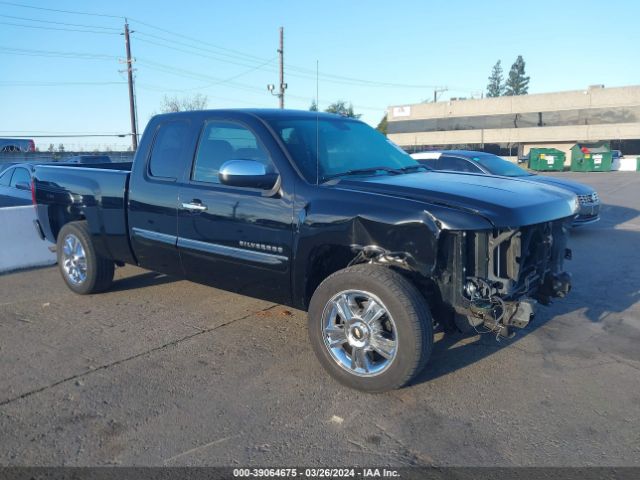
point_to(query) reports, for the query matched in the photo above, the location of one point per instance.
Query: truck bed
(96, 193)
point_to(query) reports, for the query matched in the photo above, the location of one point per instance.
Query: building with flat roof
(514, 125)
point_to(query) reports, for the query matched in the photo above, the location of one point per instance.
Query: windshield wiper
(414, 167)
(362, 171)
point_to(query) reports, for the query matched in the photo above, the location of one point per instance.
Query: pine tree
(382, 126)
(314, 106)
(495, 88)
(517, 82)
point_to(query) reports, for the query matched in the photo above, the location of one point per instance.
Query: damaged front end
(494, 279)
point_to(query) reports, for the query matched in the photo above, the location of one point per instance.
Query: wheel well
(59, 217)
(328, 259)
(323, 261)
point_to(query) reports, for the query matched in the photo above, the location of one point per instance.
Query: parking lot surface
(165, 372)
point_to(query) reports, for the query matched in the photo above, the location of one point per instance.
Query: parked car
(321, 213)
(469, 161)
(616, 155)
(15, 182)
(88, 159)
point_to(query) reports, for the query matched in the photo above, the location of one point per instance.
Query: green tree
(382, 126)
(495, 87)
(51, 148)
(340, 108)
(61, 148)
(517, 82)
(175, 104)
(314, 106)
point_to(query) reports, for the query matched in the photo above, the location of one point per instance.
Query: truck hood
(575, 187)
(502, 201)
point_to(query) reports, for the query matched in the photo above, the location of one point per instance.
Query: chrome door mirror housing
(247, 173)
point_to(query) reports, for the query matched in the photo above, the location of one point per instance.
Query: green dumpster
(550, 159)
(594, 157)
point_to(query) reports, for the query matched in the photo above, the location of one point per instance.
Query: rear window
(20, 175)
(5, 177)
(168, 148)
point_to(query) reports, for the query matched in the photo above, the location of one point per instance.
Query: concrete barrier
(20, 246)
(625, 164)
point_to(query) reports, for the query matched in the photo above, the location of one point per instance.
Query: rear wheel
(82, 268)
(370, 328)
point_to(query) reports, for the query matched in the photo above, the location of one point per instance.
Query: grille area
(515, 262)
(592, 198)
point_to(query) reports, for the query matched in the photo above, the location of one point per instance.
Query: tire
(406, 325)
(95, 273)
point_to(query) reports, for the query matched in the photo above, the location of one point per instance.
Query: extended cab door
(235, 238)
(153, 193)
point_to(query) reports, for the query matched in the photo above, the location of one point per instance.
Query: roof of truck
(261, 112)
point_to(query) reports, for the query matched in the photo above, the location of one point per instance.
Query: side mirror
(246, 173)
(23, 186)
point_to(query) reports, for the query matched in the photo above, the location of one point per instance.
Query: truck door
(153, 196)
(234, 238)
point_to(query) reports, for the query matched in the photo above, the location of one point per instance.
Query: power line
(298, 71)
(58, 23)
(54, 84)
(55, 53)
(121, 135)
(73, 12)
(42, 27)
(19, 133)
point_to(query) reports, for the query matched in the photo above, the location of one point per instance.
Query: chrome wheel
(74, 260)
(359, 333)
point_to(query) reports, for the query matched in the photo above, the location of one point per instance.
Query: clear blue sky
(230, 55)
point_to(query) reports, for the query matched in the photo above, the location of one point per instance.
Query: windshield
(343, 146)
(500, 166)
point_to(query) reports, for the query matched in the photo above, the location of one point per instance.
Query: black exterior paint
(302, 231)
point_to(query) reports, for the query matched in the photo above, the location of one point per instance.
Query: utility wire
(42, 27)
(54, 84)
(74, 12)
(122, 135)
(55, 53)
(60, 23)
(294, 70)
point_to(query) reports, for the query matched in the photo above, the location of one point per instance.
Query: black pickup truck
(321, 213)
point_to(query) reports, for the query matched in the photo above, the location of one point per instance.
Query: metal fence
(19, 157)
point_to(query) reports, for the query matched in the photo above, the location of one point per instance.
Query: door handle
(194, 207)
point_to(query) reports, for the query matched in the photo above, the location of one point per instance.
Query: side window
(168, 148)
(429, 162)
(20, 175)
(5, 177)
(223, 141)
(455, 164)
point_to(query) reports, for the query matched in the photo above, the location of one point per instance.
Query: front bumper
(588, 213)
(506, 273)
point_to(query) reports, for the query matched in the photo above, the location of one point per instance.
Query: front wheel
(370, 328)
(82, 268)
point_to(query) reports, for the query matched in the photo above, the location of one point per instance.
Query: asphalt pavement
(165, 372)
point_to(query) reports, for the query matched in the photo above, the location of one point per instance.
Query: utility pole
(438, 90)
(281, 54)
(132, 104)
(283, 86)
